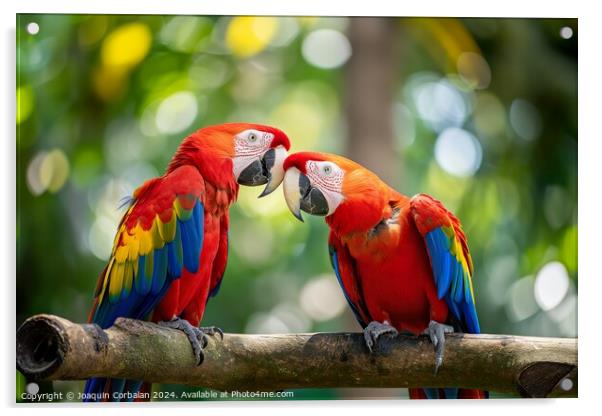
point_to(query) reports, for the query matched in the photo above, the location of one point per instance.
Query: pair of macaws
(403, 263)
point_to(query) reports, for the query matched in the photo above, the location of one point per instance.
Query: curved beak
(300, 195)
(267, 170)
(273, 161)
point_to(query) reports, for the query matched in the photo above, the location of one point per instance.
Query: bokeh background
(480, 113)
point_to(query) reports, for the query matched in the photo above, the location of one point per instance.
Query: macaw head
(253, 153)
(350, 196)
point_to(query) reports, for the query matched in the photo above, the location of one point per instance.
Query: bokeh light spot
(100, 237)
(248, 35)
(56, 165)
(25, 103)
(209, 72)
(288, 29)
(321, 298)
(440, 104)
(250, 232)
(48, 171)
(294, 318)
(326, 48)
(271, 205)
(109, 83)
(458, 152)
(568, 249)
(551, 285)
(474, 70)
(525, 119)
(557, 206)
(489, 117)
(126, 46)
(305, 112)
(263, 323)
(501, 271)
(186, 33)
(36, 184)
(520, 303)
(177, 112)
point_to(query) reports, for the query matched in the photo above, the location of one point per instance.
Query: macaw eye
(327, 170)
(252, 137)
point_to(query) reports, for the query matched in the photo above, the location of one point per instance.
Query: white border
(590, 176)
(514, 8)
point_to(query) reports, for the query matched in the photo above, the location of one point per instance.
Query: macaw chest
(396, 290)
(396, 278)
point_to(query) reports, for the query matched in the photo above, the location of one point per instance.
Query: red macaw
(171, 247)
(403, 263)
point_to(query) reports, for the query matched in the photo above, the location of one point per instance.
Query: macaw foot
(436, 333)
(212, 330)
(198, 337)
(374, 330)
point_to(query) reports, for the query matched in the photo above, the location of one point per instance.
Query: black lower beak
(258, 172)
(312, 199)
(253, 175)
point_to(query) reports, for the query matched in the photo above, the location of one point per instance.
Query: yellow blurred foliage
(248, 35)
(444, 39)
(126, 46)
(109, 83)
(24, 103)
(123, 49)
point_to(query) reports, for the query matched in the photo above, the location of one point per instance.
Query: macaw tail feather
(433, 393)
(114, 390)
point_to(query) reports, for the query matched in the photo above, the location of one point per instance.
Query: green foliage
(103, 102)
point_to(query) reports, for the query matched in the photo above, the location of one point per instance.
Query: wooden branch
(53, 348)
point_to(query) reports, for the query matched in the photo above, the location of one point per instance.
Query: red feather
(378, 236)
(201, 170)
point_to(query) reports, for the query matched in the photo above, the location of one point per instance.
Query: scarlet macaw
(403, 263)
(171, 247)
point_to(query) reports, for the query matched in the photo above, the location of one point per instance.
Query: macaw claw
(374, 330)
(436, 332)
(198, 337)
(212, 330)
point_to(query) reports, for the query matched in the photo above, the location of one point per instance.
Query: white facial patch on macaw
(328, 178)
(249, 145)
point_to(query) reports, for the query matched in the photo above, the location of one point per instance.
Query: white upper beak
(276, 174)
(292, 192)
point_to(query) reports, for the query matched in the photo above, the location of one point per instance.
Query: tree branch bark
(53, 348)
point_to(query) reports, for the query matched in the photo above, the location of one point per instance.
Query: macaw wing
(160, 235)
(346, 273)
(449, 256)
(221, 257)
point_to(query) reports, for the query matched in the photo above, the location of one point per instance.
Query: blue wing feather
(159, 270)
(334, 261)
(151, 280)
(451, 280)
(190, 245)
(175, 254)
